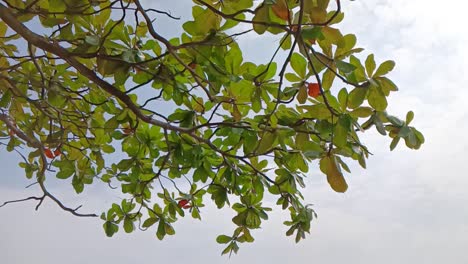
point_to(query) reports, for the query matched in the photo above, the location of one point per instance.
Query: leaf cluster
(100, 95)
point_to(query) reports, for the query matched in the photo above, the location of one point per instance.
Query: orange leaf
(313, 89)
(311, 41)
(49, 153)
(281, 10)
(294, 28)
(127, 130)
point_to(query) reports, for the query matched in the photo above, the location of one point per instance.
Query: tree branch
(33, 142)
(54, 48)
(22, 200)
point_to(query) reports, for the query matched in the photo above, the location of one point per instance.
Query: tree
(90, 91)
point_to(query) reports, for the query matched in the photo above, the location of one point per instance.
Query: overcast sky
(407, 207)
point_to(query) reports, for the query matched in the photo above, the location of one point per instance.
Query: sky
(406, 207)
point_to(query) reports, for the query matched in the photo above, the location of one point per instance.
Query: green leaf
(395, 121)
(362, 112)
(200, 174)
(286, 42)
(3, 29)
(411, 140)
(92, 40)
(384, 68)
(359, 74)
(262, 15)
(370, 64)
(110, 228)
(319, 111)
(404, 132)
(332, 35)
(218, 194)
(386, 85)
(299, 64)
(409, 117)
(248, 237)
(341, 131)
(345, 67)
(240, 219)
(149, 222)
(111, 67)
(6, 98)
(292, 77)
(302, 94)
(327, 79)
(394, 143)
(161, 232)
(379, 125)
(377, 99)
(356, 97)
(223, 239)
(232, 247)
(169, 229)
(343, 98)
(130, 56)
(57, 6)
(312, 33)
(419, 135)
(266, 142)
(65, 172)
(128, 225)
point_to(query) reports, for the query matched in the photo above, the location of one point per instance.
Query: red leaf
(313, 89)
(57, 152)
(127, 130)
(183, 204)
(193, 65)
(49, 153)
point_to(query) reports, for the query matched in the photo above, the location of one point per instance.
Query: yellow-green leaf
(377, 99)
(384, 68)
(327, 79)
(370, 65)
(356, 97)
(302, 94)
(266, 142)
(334, 176)
(262, 14)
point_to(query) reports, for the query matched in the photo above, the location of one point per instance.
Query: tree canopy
(91, 90)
